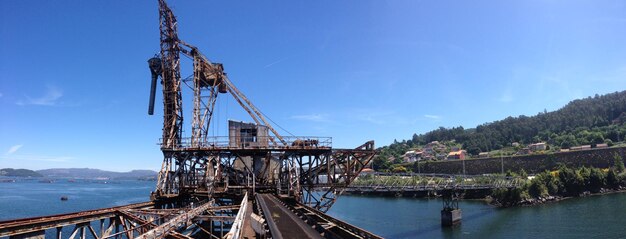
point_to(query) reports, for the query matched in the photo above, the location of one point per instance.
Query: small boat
(64, 198)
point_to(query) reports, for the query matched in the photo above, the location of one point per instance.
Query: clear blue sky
(74, 79)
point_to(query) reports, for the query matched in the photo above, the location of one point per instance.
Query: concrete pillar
(450, 217)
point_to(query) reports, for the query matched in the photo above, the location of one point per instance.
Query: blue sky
(74, 79)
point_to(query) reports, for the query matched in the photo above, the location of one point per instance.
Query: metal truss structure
(204, 182)
(307, 168)
(141, 220)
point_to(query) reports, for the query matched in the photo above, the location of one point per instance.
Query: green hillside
(590, 121)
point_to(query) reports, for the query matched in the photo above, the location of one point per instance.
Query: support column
(102, 227)
(450, 214)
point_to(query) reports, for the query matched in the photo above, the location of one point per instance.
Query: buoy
(64, 198)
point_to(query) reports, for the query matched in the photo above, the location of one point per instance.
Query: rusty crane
(299, 166)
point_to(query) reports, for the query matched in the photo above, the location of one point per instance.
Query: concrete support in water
(450, 214)
(450, 217)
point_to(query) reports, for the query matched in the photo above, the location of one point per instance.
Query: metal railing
(254, 142)
(434, 182)
(236, 229)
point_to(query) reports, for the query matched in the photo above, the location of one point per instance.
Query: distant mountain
(19, 173)
(96, 173)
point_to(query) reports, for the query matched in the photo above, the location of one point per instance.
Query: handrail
(236, 229)
(244, 142)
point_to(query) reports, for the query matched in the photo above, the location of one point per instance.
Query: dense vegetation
(565, 182)
(593, 120)
(9, 172)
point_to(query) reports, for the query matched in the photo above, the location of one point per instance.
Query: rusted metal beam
(176, 222)
(27, 225)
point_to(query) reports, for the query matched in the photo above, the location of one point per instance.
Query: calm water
(27, 198)
(592, 217)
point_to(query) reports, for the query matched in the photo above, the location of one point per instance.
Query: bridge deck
(282, 222)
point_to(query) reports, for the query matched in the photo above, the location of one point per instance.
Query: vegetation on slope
(589, 121)
(565, 182)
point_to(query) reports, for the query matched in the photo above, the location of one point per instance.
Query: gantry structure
(253, 154)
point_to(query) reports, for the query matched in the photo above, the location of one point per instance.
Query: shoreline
(490, 201)
(554, 199)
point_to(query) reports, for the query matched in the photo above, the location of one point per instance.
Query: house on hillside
(537, 147)
(460, 154)
(532, 148)
(601, 146)
(483, 155)
(434, 150)
(412, 156)
(434, 147)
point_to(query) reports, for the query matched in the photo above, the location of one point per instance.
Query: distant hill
(96, 173)
(9, 172)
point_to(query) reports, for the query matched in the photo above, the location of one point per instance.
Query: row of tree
(565, 182)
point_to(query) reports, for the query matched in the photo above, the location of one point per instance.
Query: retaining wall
(599, 158)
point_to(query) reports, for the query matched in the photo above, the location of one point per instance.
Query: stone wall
(599, 158)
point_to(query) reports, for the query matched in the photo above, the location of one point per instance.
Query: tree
(415, 139)
(380, 163)
(595, 138)
(537, 188)
(399, 169)
(553, 184)
(611, 179)
(508, 197)
(573, 182)
(597, 180)
(523, 174)
(619, 163)
(585, 173)
(472, 150)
